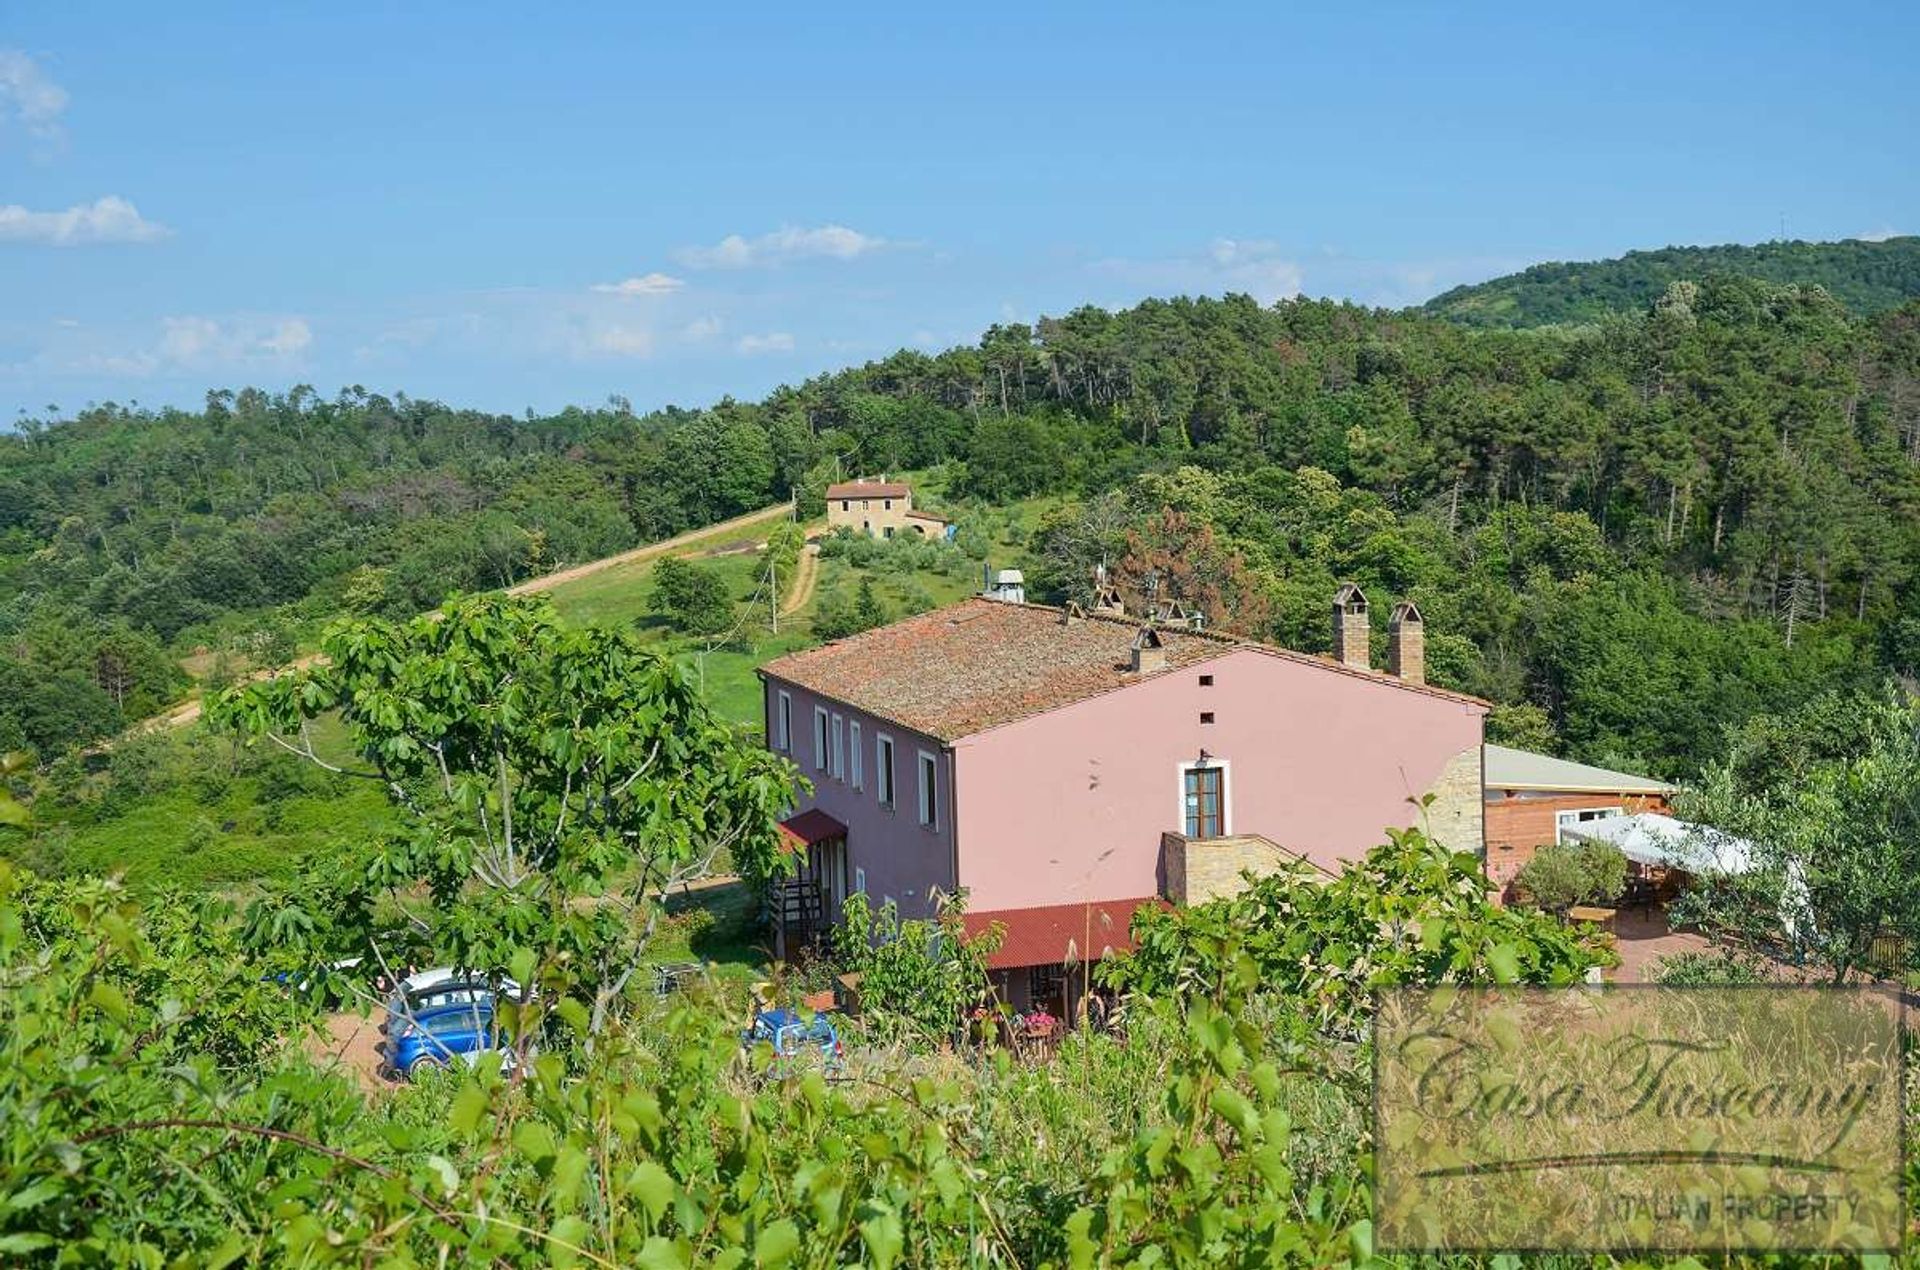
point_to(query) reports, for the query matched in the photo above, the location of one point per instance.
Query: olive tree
(554, 784)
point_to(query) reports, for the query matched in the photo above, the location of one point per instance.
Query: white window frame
(886, 787)
(839, 750)
(856, 763)
(929, 790)
(783, 720)
(1580, 816)
(1226, 795)
(819, 738)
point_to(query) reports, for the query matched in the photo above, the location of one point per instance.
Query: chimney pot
(1149, 652)
(1350, 627)
(1407, 643)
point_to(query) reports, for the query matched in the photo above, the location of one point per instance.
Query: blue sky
(508, 206)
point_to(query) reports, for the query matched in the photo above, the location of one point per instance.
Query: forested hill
(1633, 537)
(1868, 277)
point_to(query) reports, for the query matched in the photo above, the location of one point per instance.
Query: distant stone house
(1065, 768)
(1533, 799)
(880, 509)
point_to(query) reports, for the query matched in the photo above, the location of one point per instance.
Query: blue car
(439, 1034)
(792, 1036)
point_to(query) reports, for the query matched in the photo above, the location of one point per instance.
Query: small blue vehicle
(793, 1037)
(439, 1034)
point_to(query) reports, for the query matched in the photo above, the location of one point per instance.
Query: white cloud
(1256, 267)
(789, 242)
(617, 341)
(290, 338)
(1878, 235)
(774, 342)
(107, 220)
(184, 345)
(28, 97)
(645, 284)
(204, 341)
(704, 328)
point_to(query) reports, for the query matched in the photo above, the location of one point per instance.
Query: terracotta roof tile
(1055, 934)
(975, 665)
(869, 489)
(978, 664)
(811, 828)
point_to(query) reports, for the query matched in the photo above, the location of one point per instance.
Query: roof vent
(1009, 585)
(1149, 652)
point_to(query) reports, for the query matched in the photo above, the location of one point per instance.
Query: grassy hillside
(183, 807)
(1867, 277)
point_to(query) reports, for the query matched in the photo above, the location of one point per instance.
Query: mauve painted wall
(901, 858)
(1319, 762)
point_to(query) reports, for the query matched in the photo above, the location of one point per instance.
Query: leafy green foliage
(1867, 276)
(554, 784)
(920, 978)
(1411, 912)
(661, 1145)
(1561, 875)
(1836, 867)
(838, 616)
(691, 597)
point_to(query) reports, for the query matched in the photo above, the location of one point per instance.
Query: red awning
(1055, 934)
(810, 829)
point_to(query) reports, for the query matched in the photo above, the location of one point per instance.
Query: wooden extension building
(1532, 799)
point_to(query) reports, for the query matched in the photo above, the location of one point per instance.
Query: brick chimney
(1407, 644)
(1350, 629)
(1149, 652)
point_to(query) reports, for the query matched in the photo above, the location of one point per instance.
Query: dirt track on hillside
(806, 572)
(533, 586)
(188, 711)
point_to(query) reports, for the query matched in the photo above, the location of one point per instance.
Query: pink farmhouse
(1063, 769)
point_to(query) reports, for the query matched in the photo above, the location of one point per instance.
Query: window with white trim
(860, 880)
(1204, 794)
(929, 790)
(855, 759)
(819, 739)
(883, 769)
(839, 750)
(783, 723)
(1565, 820)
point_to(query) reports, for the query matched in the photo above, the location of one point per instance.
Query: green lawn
(715, 924)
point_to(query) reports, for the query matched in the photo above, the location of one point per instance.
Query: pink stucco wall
(1070, 805)
(901, 858)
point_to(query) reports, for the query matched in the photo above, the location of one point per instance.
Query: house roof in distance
(1522, 769)
(981, 663)
(869, 489)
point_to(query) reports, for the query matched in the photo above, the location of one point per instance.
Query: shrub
(691, 597)
(1410, 912)
(917, 978)
(1562, 875)
(1707, 970)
